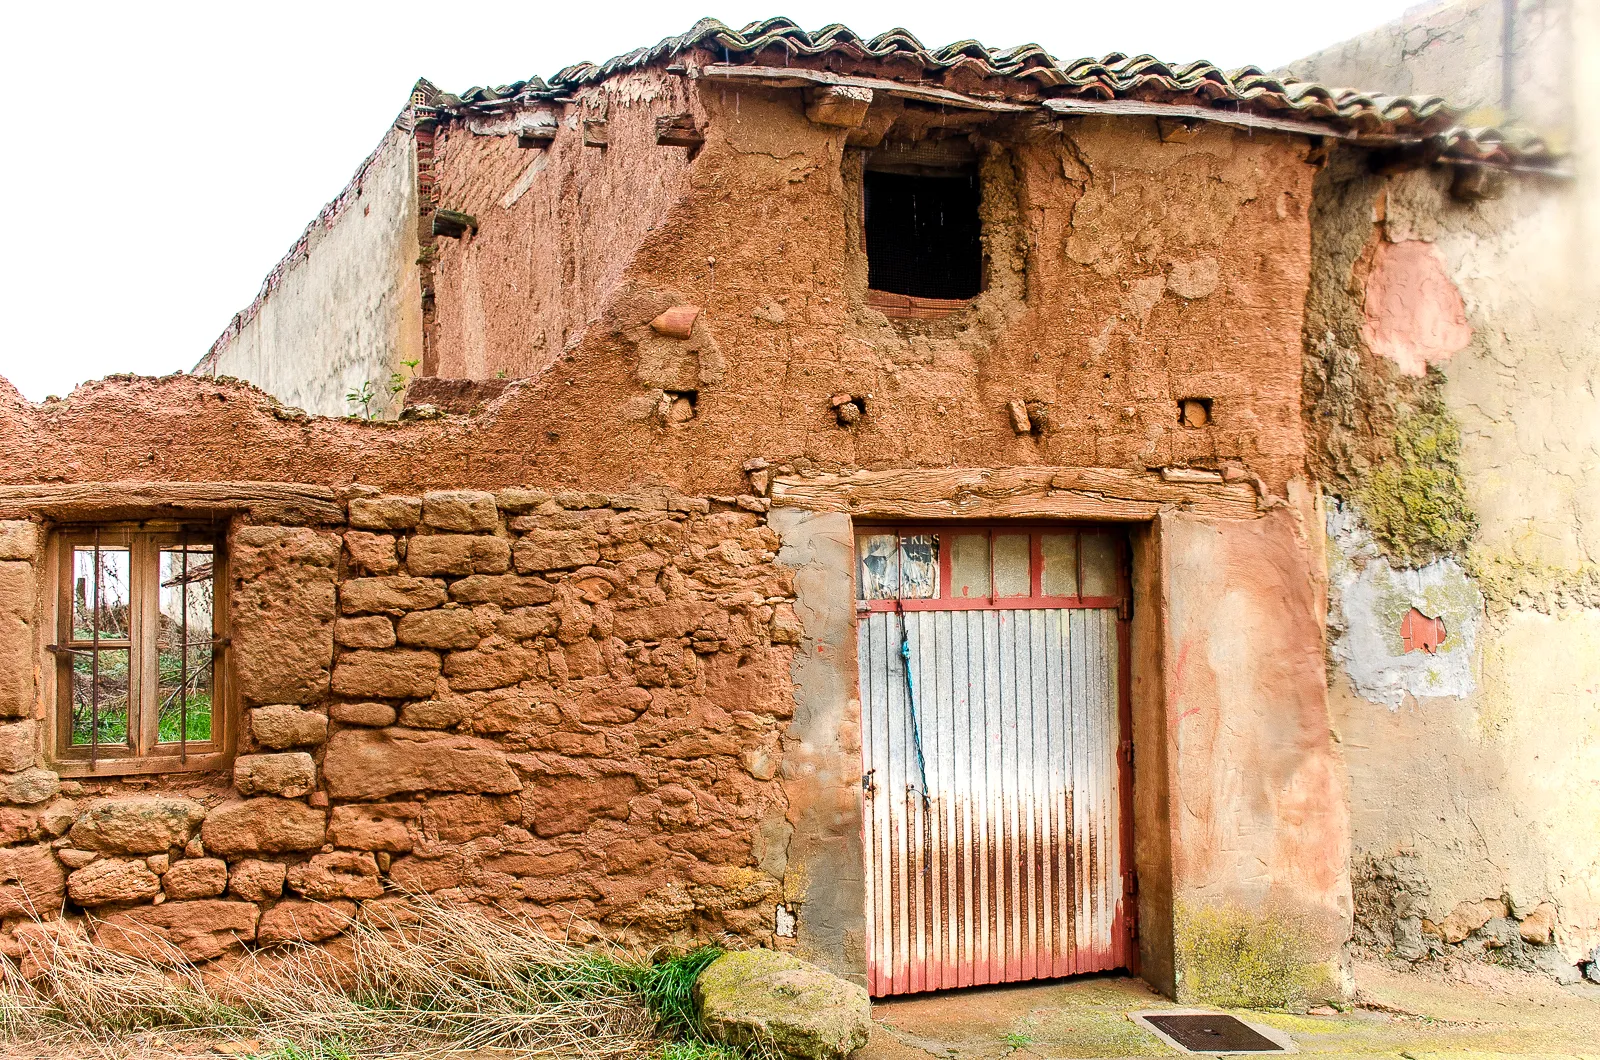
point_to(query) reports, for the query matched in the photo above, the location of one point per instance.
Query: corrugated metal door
(1010, 867)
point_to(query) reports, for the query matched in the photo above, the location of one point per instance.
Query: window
(140, 621)
(922, 230)
(976, 567)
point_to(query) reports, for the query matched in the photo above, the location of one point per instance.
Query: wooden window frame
(1036, 598)
(144, 542)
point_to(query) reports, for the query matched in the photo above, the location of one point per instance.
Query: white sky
(161, 157)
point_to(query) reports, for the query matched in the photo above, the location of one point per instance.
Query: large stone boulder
(765, 999)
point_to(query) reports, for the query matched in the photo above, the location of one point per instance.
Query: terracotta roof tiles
(1111, 77)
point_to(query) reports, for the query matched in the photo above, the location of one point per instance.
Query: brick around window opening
(140, 637)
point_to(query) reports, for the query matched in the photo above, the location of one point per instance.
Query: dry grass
(422, 979)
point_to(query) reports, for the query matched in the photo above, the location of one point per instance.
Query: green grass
(1016, 1039)
(667, 988)
(316, 1051)
(697, 1050)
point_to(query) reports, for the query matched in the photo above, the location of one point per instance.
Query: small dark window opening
(923, 234)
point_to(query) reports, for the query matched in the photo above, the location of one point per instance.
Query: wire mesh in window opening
(923, 234)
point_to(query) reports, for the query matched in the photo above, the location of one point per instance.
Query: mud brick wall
(566, 704)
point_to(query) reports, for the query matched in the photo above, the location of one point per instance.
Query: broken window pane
(1060, 576)
(879, 578)
(919, 566)
(183, 645)
(969, 566)
(100, 691)
(99, 598)
(1011, 574)
(1099, 565)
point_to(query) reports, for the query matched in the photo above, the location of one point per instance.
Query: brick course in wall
(531, 700)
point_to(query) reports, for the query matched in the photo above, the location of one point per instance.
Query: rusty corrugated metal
(1012, 867)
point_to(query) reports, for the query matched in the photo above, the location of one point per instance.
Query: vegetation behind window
(137, 650)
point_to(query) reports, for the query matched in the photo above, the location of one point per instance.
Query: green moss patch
(1415, 502)
(1236, 958)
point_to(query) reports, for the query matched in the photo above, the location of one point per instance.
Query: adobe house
(850, 496)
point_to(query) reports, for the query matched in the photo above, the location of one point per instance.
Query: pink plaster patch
(1414, 313)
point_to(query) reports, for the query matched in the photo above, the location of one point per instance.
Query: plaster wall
(345, 308)
(1472, 770)
(1259, 821)
(1457, 51)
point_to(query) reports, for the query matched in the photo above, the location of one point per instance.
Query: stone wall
(571, 704)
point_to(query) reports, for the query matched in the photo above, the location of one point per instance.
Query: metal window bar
(94, 661)
(183, 656)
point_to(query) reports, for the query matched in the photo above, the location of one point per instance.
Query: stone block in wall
(284, 725)
(136, 824)
(465, 511)
(390, 595)
(19, 745)
(370, 631)
(374, 764)
(287, 773)
(111, 880)
(200, 930)
(425, 875)
(32, 882)
(435, 713)
(264, 824)
(255, 880)
(30, 786)
(564, 805)
(338, 874)
(386, 674)
(460, 818)
(525, 623)
(436, 554)
(498, 667)
(373, 553)
(196, 878)
(447, 628)
(388, 512)
(520, 500)
(541, 550)
(282, 611)
(293, 920)
(505, 590)
(374, 715)
(19, 539)
(17, 648)
(390, 827)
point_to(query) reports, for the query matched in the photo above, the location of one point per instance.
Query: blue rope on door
(911, 701)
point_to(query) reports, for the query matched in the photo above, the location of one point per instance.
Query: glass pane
(879, 570)
(1099, 565)
(183, 645)
(969, 566)
(1011, 575)
(1060, 577)
(919, 566)
(111, 602)
(107, 689)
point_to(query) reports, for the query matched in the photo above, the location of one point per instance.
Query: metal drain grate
(1210, 1032)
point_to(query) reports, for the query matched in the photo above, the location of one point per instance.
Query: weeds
(421, 978)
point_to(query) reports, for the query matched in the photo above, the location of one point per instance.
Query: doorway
(993, 667)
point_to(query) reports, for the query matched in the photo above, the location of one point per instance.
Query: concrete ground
(1467, 1011)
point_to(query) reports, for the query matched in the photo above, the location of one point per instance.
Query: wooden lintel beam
(1111, 494)
(287, 502)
